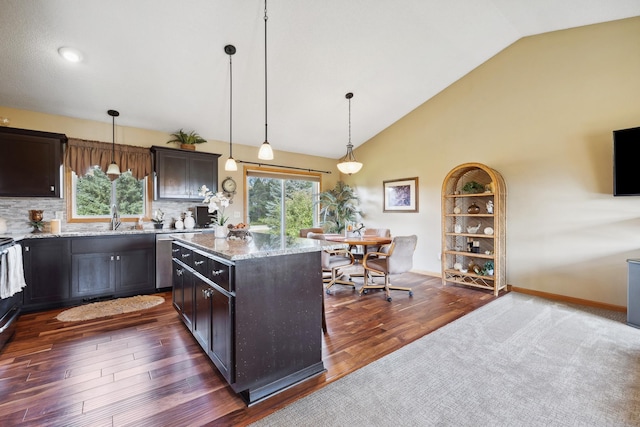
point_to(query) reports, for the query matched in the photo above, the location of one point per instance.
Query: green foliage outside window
(93, 194)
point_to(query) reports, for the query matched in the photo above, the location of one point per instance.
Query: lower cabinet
(112, 265)
(63, 271)
(206, 307)
(46, 272)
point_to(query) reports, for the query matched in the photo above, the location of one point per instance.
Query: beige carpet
(517, 361)
(109, 308)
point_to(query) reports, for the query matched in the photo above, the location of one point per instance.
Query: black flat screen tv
(626, 162)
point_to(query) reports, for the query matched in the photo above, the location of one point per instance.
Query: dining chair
(392, 260)
(332, 261)
(379, 232)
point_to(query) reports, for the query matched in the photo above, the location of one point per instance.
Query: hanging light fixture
(265, 153)
(348, 164)
(113, 168)
(230, 165)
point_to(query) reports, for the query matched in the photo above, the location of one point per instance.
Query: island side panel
(278, 318)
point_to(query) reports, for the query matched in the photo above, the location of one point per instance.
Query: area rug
(517, 361)
(109, 308)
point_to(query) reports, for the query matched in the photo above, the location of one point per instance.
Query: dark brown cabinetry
(179, 174)
(30, 164)
(46, 271)
(112, 265)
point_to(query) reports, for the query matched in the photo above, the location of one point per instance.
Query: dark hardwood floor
(144, 368)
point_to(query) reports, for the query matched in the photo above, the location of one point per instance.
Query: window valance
(82, 154)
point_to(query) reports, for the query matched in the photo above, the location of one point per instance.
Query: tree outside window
(94, 194)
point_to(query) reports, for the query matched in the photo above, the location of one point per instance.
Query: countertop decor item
(189, 220)
(473, 209)
(158, 219)
(35, 220)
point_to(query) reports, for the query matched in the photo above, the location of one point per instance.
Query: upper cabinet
(179, 174)
(30, 163)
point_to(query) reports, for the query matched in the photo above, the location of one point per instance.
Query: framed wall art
(401, 195)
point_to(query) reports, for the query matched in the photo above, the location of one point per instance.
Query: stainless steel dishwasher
(163, 260)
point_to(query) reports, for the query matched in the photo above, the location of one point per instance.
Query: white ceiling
(161, 63)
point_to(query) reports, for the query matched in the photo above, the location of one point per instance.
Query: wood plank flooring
(145, 369)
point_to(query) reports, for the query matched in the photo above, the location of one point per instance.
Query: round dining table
(363, 241)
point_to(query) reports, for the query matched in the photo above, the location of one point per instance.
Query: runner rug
(109, 308)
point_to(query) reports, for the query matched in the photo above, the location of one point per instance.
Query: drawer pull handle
(216, 272)
(199, 262)
(186, 255)
(207, 293)
(175, 250)
(179, 271)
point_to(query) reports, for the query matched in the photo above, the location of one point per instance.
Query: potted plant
(186, 140)
(338, 207)
(158, 219)
(487, 270)
(473, 187)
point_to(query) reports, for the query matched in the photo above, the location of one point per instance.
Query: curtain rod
(281, 166)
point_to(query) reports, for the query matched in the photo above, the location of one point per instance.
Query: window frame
(70, 201)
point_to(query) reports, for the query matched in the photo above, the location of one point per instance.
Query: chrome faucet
(115, 217)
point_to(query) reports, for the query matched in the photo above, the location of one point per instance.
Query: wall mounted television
(626, 162)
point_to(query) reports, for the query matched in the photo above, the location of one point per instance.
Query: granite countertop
(95, 233)
(260, 245)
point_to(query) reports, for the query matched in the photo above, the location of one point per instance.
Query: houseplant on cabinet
(186, 140)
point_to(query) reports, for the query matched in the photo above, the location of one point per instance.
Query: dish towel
(11, 272)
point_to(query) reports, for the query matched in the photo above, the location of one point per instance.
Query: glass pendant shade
(348, 164)
(113, 169)
(265, 153)
(231, 165)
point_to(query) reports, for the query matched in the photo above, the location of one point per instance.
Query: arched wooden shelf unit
(473, 238)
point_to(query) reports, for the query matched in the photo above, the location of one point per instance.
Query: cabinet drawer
(221, 274)
(200, 262)
(186, 256)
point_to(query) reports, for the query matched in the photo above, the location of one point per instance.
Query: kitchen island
(254, 306)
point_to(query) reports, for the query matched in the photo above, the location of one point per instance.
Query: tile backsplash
(16, 213)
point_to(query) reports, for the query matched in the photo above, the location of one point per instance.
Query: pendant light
(265, 153)
(230, 165)
(348, 164)
(113, 167)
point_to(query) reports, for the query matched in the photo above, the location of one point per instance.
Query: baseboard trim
(547, 295)
(572, 300)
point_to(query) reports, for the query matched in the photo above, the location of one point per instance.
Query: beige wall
(542, 113)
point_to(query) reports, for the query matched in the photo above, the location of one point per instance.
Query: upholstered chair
(392, 260)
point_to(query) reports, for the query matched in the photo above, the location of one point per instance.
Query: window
(93, 195)
(280, 201)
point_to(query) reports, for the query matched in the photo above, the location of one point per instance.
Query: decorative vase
(191, 147)
(473, 209)
(179, 225)
(158, 225)
(221, 231)
(189, 221)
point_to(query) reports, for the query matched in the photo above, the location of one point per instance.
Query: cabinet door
(93, 274)
(202, 312)
(172, 169)
(30, 163)
(187, 294)
(46, 270)
(221, 351)
(202, 171)
(178, 290)
(135, 271)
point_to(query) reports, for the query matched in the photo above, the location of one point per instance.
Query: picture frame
(400, 195)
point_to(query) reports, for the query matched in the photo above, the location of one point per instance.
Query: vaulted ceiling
(162, 64)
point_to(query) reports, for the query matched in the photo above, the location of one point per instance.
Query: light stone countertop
(260, 245)
(98, 233)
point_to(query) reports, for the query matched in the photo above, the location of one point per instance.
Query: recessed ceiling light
(70, 54)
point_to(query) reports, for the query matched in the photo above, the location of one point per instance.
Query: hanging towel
(4, 289)
(15, 272)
